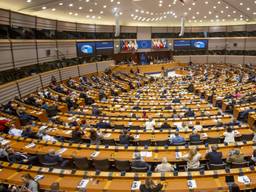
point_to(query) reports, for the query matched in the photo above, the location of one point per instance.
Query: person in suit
(52, 158)
(95, 138)
(125, 138)
(165, 125)
(77, 135)
(189, 113)
(213, 156)
(150, 186)
(138, 162)
(194, 137)
(177, 139)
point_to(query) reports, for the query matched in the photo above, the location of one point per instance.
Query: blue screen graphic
(199, 44)
(144, 44)
(181, 44)
(105, 45)
(85, 48)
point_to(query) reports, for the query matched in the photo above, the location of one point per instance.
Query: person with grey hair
(138, 162)
(164, 166)
(235, 156)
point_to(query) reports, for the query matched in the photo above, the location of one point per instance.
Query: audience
(229, 136)
(235, 156)
(150, 124)
(213, 156)
(30, 185)
(194, 137)
(150, 186)
(125, 138)
(164, 166)
(193, 158)
(138, 162)
(95, 137)
(177, 139)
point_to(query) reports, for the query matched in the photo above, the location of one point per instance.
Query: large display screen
(104, 45)
(129, 45)
(159, 44)
(190, 44)
(182, 44)
(199, 44)
(144, 44)
(85, 48)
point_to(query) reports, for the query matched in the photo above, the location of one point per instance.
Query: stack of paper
(31, 145)
(146, 154)
(62, 150)
(244, 179)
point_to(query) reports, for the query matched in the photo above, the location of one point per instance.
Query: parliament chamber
(118, 96)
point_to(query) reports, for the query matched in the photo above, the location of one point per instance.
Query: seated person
(52, 158)
(77, 135)
(177, 139)
(189, 113)
(28, 133)
(95, 110)
(213, 156)
(150, 124)
(30, 185)
(235, 156)
(193, 158)
(3, 151)
(46, 137)
(150, 186)
(197, 126)
(18, 157)
(4, 124)
(165, 125)
(183, 127)
(229, 136)
(164, 166)
(194, 137)
(125, 138)
(138, 162)
(14, 131)
(95, 138)
(253, 158)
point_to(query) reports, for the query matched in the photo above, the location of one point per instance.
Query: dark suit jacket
(214, 157)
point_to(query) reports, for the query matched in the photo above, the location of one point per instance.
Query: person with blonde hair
(164, 166)
(150, 186)
(193, 158)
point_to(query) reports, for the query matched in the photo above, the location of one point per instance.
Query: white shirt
(229, 137)
(49, 138)
(15, 132)
(198, 127)
(150, 125)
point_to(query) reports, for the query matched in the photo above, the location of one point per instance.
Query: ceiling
(140, 12)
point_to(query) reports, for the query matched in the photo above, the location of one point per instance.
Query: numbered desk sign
(82, 185)
(191, 184)
(135, 185)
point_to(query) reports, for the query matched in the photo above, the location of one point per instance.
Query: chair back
(102, 165)
(122, 165)
(239, 165)
(81, 163)
(139, 169)
(217, 166)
